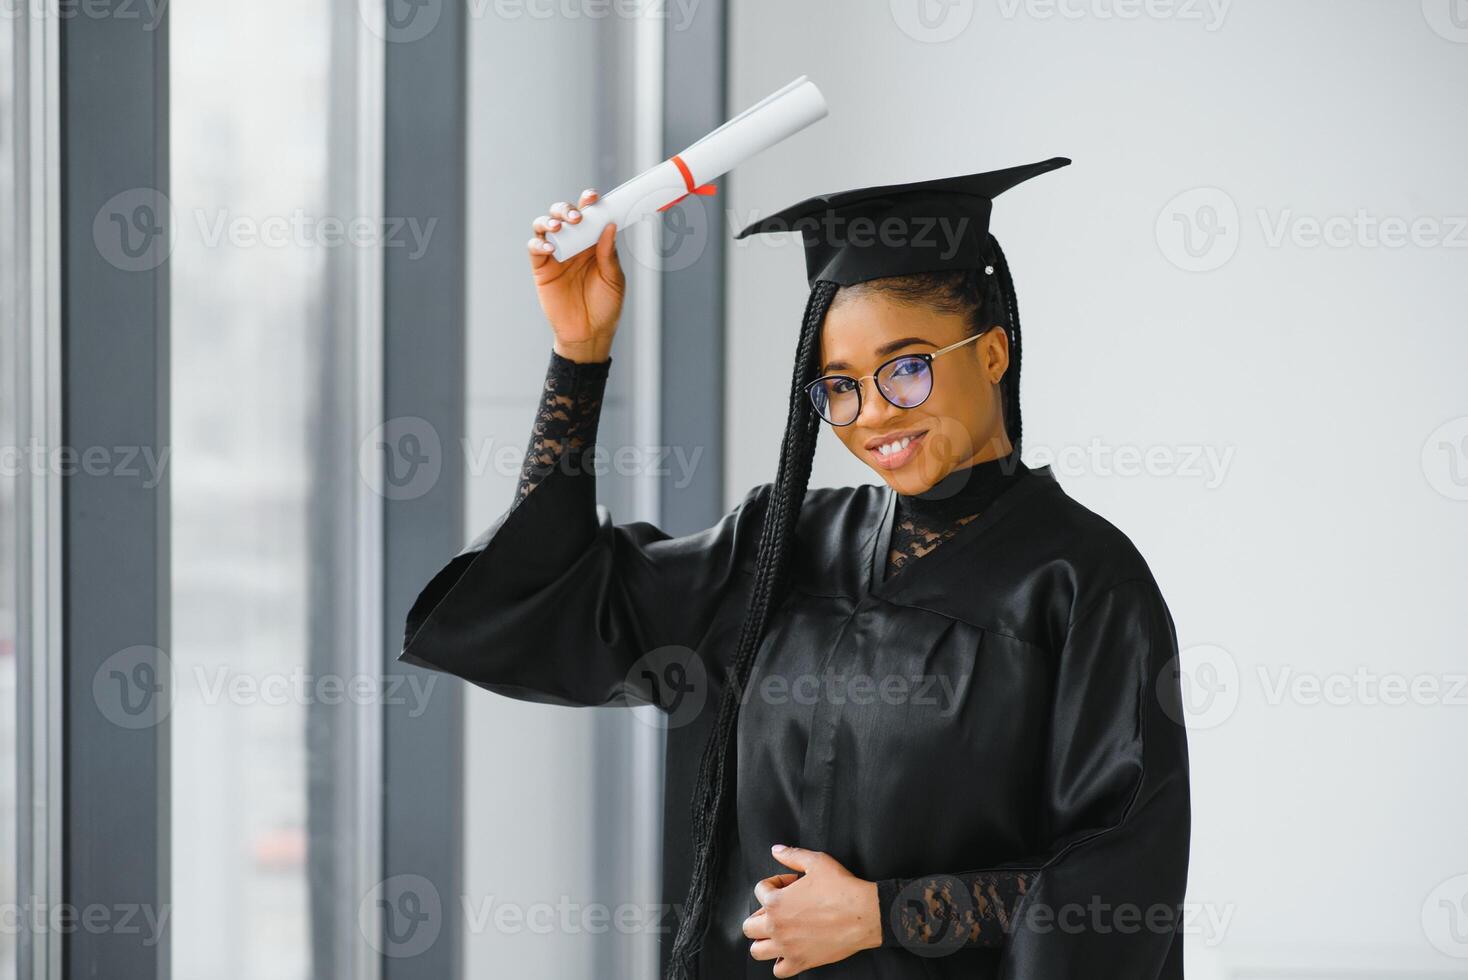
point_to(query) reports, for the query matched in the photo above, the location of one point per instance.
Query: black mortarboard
(896, 229)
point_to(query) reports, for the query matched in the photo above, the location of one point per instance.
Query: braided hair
(968, 291)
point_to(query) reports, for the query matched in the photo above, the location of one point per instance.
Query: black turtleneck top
(570, 410)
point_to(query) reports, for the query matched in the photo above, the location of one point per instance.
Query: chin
(915, 476)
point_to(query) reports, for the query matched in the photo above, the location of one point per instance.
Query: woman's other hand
(822, 915)
(581, 297)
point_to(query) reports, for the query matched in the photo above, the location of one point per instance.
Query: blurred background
(271, 353)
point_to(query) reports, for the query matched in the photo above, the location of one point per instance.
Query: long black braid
(1013, 420)
(972, 292)
(714, 790)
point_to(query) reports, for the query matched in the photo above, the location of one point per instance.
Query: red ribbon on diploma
(704, 189)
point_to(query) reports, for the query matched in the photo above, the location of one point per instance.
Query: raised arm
(555, 602)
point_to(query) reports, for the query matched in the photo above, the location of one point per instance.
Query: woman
(945, 741)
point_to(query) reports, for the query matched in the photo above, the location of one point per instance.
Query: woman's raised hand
(581, 297)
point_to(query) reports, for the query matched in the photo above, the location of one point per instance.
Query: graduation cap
(896, 229)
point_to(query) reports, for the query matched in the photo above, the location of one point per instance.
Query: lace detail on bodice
(922, 522)
(913, 537)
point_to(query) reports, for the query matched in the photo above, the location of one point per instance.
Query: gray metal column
(423, 517)
(692, 359)
(115, 574)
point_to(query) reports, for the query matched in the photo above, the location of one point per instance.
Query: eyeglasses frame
(860, 390)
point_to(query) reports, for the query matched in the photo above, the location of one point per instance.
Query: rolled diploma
(767, 122)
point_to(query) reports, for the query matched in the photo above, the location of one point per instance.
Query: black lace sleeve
(940, 913)
(565, 425)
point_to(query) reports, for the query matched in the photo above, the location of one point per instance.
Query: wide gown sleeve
(1104, 897)
(555, 603)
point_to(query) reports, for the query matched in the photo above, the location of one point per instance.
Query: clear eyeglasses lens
(905, 382)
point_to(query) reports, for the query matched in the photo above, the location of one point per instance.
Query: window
(272, 736)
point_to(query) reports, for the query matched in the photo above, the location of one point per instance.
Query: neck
(966, 490)
(974, 478)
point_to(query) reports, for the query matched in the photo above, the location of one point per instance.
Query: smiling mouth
(896, 452)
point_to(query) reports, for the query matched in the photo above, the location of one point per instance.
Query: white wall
(1324, 541)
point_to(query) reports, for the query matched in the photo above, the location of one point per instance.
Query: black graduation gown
(1008, 701)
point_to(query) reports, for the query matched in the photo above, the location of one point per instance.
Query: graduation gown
(1004, 709)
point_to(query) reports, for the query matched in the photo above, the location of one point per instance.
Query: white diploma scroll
(761, 126)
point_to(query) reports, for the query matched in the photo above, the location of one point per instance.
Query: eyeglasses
(906, 381)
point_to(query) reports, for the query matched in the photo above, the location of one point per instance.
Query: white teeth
(893, 447)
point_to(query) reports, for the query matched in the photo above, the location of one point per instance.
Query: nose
(876, 410)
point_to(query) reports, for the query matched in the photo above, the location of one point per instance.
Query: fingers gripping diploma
(821, 915)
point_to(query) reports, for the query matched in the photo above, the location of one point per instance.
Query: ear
(994, 353)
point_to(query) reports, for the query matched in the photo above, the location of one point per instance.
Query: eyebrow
(884, 350)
